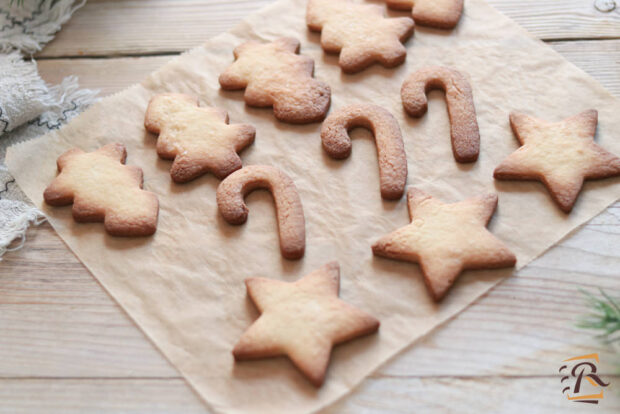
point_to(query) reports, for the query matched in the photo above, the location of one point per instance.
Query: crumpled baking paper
(184, 286)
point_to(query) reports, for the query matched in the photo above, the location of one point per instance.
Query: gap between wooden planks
(598, 58)
(159, 396)
(112, 28)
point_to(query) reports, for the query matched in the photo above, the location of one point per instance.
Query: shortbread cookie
(101, 188)
(199, 140)
(561, 155)
(459, 99)
(441, 14)
(359, 32)
(302, 320)
(273, 74)
(289, 211)
(390, 148)
(446, 239)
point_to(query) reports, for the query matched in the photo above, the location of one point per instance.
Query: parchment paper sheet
(184, 286)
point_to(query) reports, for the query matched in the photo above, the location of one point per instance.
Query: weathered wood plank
(376, 395)
(108, 75)
(56, 320)
(566, 19)
(77, 396)
(109, 27)
(599, 59)
(466, 396)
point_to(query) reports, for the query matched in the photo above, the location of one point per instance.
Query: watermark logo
(581, 382)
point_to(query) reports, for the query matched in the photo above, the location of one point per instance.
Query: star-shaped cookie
(360, 32)
(446, 239)
(199, 140)
(561, 155)
(302, 320)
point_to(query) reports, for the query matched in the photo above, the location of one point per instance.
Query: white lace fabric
(15, 218)
(30, 24)
(28, 106)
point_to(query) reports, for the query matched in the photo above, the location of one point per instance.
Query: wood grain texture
(112, 27)
(66, 347)
(598, 58)
(107, 75)
(378, 394)
(56, 320)
(529, 395)
(101, 396)
(564, 19)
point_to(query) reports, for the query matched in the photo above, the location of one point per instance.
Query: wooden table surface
(66, 347)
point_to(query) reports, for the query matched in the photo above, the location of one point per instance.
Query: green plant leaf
(604, 316)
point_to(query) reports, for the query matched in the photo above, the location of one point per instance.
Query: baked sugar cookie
(440, 14)
(359, 32)
(561, 155)
(302, 320)
(389, 140)
(289, 211)
(445, 239)
(199, 140)
(464, 131)
(102, 188)
(274, 74)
